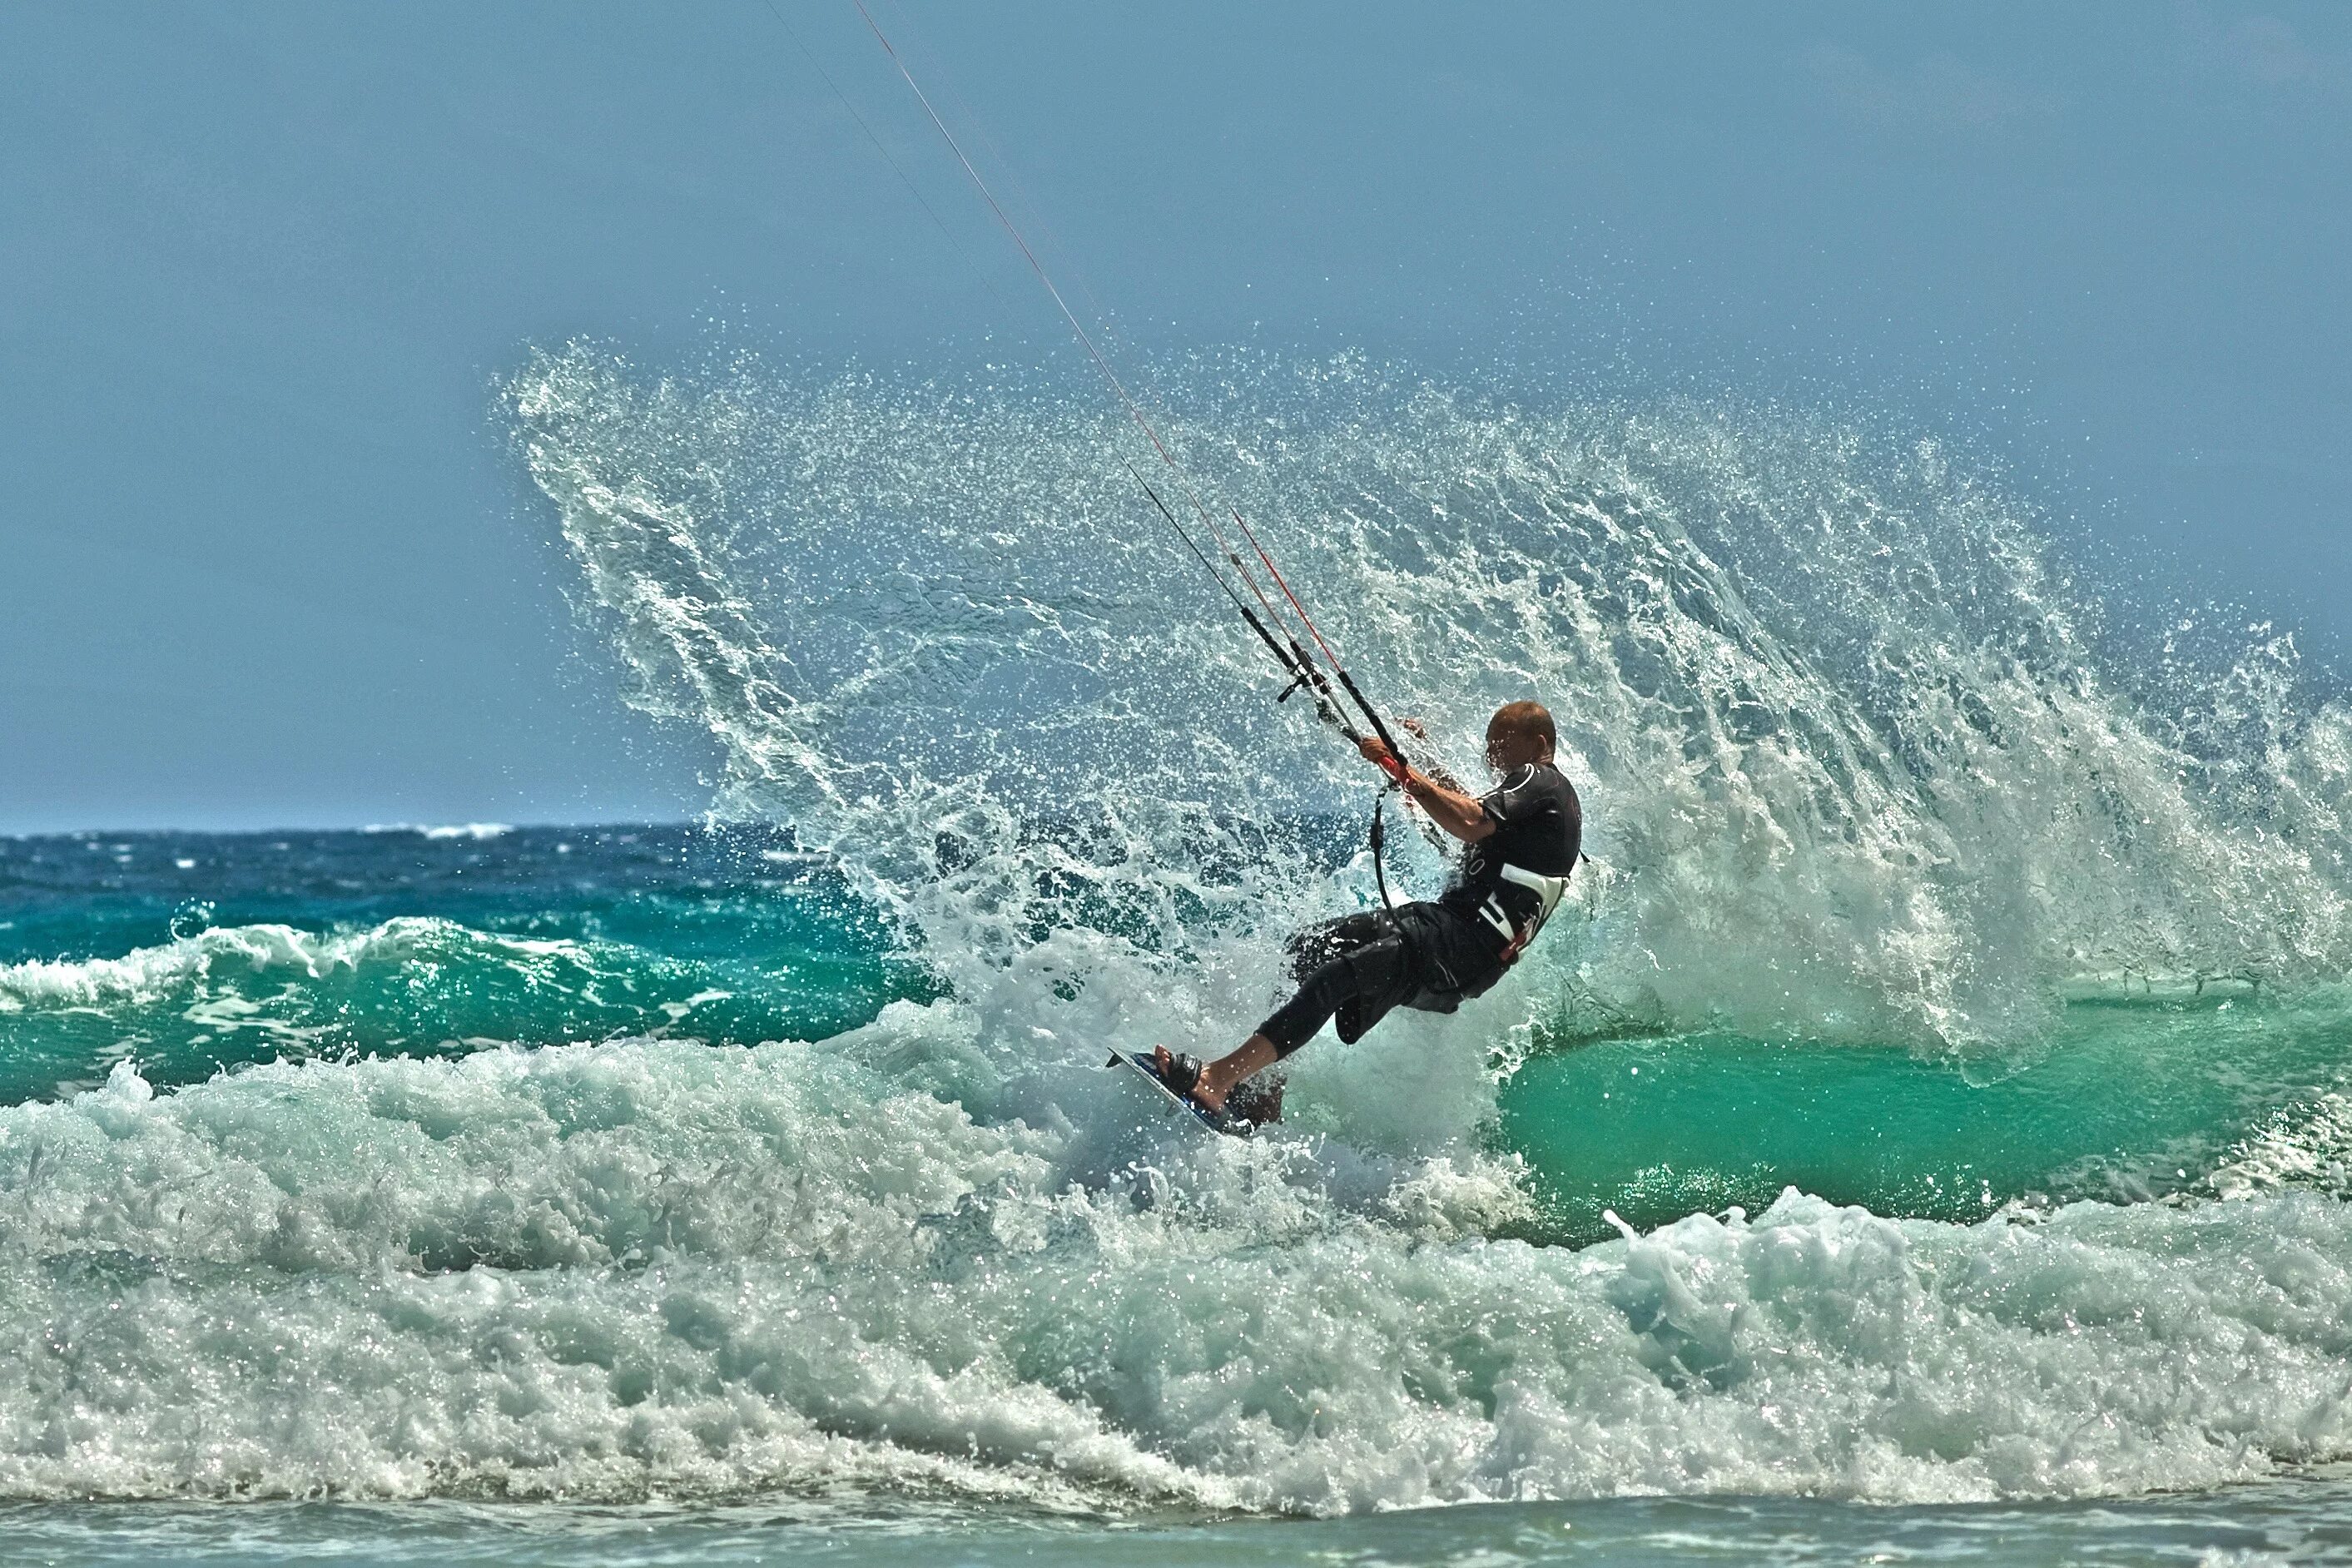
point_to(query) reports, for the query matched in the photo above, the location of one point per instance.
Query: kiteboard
(1215, 1121)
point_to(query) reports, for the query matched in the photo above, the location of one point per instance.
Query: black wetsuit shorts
(1361, 967)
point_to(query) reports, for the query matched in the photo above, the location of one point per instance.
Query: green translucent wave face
(424, 986)
(189, 954)
(2123, 1101)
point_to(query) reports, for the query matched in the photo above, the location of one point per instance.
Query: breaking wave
(1903, 891)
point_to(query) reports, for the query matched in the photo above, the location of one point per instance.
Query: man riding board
(1521, 839)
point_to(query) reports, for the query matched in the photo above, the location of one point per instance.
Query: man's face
(1507, 747)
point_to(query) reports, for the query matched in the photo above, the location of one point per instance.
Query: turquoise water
(199, 952)
(1925, 1131)
(2126, 1100)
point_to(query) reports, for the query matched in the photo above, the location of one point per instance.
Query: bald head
(1520, 733)
(1530, 720)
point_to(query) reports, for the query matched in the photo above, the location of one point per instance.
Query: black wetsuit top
(1538, 827)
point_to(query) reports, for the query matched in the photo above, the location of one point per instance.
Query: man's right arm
(1434, 771)
(1461, 815)
(1457, 813)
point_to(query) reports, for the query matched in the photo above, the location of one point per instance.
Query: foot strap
(1182, 1074)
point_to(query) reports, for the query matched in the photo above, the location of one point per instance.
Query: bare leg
(1218, 1078)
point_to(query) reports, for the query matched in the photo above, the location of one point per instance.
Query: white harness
(1548, 892)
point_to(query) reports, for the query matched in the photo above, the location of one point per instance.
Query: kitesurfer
(1522, 836)
(1522, 839)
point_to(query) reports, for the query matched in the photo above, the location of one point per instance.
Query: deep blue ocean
(1923, 1136)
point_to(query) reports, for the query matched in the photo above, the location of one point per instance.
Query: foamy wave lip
(2310, 1147)
(150, 974)
(472, 830)
(651, 1267)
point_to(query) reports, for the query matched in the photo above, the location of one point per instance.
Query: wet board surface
(1144, 1069)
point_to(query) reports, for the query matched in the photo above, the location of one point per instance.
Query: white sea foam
(660, 1268)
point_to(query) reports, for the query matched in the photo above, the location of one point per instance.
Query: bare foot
(1205, 1094)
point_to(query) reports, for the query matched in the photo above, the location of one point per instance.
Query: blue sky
(265, 558)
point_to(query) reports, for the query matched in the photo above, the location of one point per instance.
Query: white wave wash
(682, 1270)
